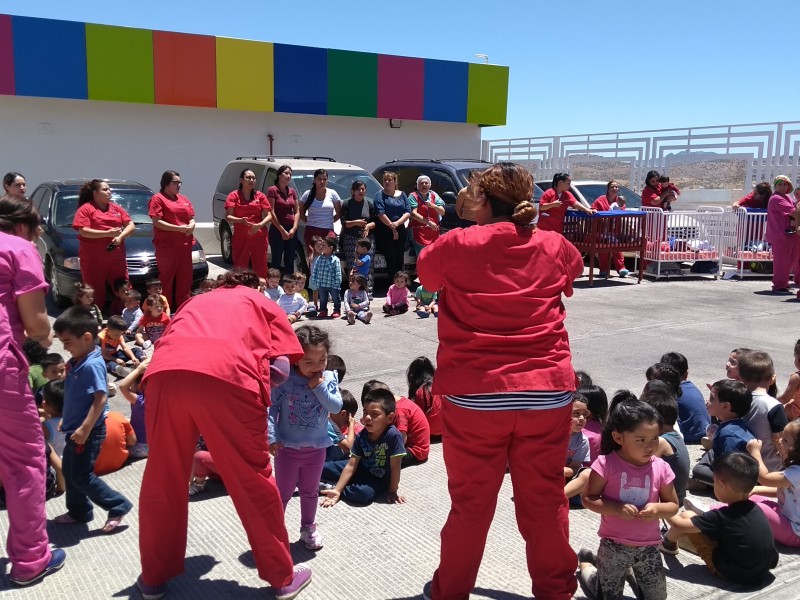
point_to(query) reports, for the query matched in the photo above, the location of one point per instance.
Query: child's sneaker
(367, 318)
(147, 344)
(322, 314)
(310, 537)
(624, 272)
(668, 547)
(302, 577)
(57, 558)
(351, 318)
(336, 315)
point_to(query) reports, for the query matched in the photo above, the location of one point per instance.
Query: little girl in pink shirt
(397, 296)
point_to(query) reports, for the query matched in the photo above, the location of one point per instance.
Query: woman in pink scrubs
(781, 233)
(22, 458)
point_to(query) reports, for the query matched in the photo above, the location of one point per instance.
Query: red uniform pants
(604, 258)
(477, 447)
(175, 271)
(247, 249)
(233, 421)
(100, 268)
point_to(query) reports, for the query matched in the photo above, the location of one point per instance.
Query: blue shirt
(364, 269)
(298, 415)
(692, 414)
(84, 378)
(732, 436)
(393, 207)
(375, 456)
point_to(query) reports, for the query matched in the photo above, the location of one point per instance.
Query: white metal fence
(713, 157)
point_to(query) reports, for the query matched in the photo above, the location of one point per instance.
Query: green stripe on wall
(119, 63)
(488, 94)
(352, 83)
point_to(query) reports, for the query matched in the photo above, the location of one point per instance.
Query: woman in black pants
(393, 210)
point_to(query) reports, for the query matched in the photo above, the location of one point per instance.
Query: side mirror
(449, 197)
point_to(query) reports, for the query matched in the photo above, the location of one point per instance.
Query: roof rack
(438, 160)
(267, 157)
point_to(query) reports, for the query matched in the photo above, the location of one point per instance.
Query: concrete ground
(617, 329)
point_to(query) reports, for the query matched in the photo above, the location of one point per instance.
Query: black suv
(448, 176)
(57, 202)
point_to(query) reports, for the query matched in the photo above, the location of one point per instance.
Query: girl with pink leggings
(784, 514)
(298, 428)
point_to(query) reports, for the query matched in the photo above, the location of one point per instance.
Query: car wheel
(226, 244)
(60, 300)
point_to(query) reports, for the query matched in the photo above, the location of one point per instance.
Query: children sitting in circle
(84, 296)
(356, 301)
(290, 301)
(420, 379)
(153, 322)
(397, 295)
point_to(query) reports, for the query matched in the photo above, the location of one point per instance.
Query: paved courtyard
(385, 551)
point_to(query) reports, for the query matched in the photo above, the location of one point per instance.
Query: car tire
(59, 299)
(226, 243)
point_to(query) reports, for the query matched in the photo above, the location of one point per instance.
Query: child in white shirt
(290, 301)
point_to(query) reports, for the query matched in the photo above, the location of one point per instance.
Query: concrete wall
(55, 139)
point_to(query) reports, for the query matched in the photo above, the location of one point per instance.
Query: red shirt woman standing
(102, 227)
(249, 212)
(555, 202)
(173, 228)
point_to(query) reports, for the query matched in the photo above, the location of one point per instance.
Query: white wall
(48, 139)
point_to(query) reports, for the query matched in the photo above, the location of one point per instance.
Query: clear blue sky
(577, 66)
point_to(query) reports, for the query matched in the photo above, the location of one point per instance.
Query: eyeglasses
(249, 177)
(176, 182)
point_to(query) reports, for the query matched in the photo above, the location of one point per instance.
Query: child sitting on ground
(734, 541)
(426, 302)
(114, 451)
(397, 295)
(766, 417)
(671, 446)
(300, 278)
(290, 301)
(120, 288)
(575, 471)
(83, 423)
(410, 421)
(153, 322)
(783, 515)
(132, 313)
(597, 403)
(342, 429)
(298, 428)
(420, 380)
(631, 489)
(326, 278)
(273, 289)
(356, 301)
(374, 465)
(53, 369)
(337, 365)
(672, 196)
(693, 417)
(53, 407)
(130, 388)
(730, 400)
(154, 289)
(115, 351)
(790, 398)
(84, 296)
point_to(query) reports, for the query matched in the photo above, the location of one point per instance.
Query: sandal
(112, 523)
(66, 519)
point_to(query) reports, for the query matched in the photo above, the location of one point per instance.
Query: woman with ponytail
(504, 368)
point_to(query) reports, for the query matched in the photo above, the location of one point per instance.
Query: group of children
(628, 461)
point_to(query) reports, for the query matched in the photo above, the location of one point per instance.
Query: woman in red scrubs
(555, 202)
(102, 227)
(173, 228)
(248, 210)
(603, 203)
(212, 374)
(652, 194)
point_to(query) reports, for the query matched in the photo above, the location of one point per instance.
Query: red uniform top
(251, 211)
(501, 328)
(92, 216)
(284, 207)
(552, 219)
(651, 196)
(410, 419)
(230, 334)
(601, 204)
(753, 201)
(431, 405)
(175, 212)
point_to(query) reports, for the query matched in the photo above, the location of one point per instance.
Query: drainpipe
(271, 139)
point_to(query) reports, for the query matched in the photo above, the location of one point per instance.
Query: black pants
(392, 249)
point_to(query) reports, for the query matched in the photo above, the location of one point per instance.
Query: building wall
(56, 138)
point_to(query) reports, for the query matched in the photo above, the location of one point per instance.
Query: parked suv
(448, 176)
(57, 202)
(340, 178)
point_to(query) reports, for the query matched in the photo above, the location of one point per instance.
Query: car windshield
(135, 202)
(592, 191)
(338, 180)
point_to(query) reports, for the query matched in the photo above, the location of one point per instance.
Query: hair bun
(524, 213)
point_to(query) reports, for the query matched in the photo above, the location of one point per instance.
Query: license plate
(380, 261)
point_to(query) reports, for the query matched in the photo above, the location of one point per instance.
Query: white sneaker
(147, 344)
(310, 537)
(122, 370)
(367, 318)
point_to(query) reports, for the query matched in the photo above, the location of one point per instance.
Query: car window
(272, 177)
(135, 202)
(339, 181)
(592, 192)
(37, 198)
(463, 175)
(229, 180)
(442, 181)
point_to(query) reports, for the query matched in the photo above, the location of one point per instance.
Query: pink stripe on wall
(401, 87)
(6, 56)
